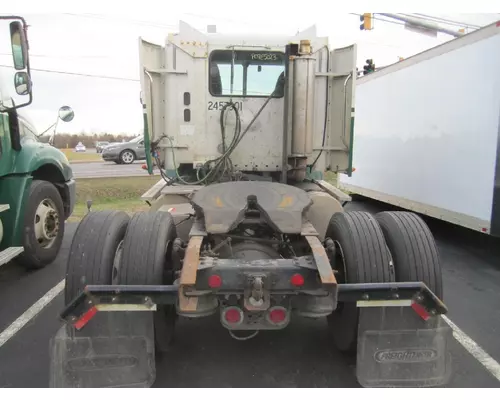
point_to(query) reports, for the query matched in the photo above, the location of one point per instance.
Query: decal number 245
(218, 105)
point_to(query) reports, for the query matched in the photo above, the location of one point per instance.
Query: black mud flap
(396, 348)
(118, 354)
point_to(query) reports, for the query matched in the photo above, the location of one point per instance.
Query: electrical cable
(78, 74)
(444, 21)
(223, 160)
(185, 219)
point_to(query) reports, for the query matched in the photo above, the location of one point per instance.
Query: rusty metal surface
(191, 261)
(322, 261)
(187, 304)
(188, 274)
(308, 230)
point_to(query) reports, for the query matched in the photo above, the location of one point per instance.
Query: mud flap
(396, 348)
(119, 353)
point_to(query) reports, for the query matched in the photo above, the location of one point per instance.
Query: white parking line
(470, 345)
(474, 349)
(30, 313)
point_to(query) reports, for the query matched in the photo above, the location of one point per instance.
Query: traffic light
(367, 22)
(369, 67)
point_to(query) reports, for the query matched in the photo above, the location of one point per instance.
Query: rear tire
(416, 259)
(90, 262)
(362, 257)
(413, 249)
(92, 251)
(147, 260)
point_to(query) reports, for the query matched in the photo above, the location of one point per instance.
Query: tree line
(67, 140)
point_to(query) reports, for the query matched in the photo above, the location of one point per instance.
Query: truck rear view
(242, 225)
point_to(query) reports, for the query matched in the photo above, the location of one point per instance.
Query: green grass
(122, 194)
(111, 194)
(89, 156)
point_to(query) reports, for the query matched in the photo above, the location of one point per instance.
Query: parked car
(125, 153)
(100, 146)
(80, 148)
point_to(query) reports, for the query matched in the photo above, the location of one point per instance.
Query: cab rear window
(254, 73)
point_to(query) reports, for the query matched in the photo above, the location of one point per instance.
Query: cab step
(4, 207)
(10, 253)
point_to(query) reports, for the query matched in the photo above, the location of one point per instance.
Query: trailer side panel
(426, 134)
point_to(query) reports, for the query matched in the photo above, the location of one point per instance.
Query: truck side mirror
(22, 83)
(19, 45)
(66, 114)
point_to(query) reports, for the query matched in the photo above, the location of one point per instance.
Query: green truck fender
(49, 164)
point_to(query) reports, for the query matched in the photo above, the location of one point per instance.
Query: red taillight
(420, 310)
(297, 280)
(85, 318)
(214, 281)
(233, 315)
(277, 315)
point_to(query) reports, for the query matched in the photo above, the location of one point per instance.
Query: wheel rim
(46, 223)
(127, 157)
(115, 278)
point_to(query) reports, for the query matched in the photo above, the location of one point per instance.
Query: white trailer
(426, 136)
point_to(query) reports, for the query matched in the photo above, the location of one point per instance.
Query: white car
(80, 147)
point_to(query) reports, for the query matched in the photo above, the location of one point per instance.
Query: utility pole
(419, 23)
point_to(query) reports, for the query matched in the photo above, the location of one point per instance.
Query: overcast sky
(103, 43)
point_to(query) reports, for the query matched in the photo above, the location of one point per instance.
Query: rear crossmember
(116, 298)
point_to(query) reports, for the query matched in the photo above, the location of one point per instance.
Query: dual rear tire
(109, 247)
(388, 247)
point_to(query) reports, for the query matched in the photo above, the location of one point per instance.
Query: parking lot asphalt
(302, 355)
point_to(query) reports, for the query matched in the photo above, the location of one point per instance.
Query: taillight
(277, 315)
(232, 315)
(297, 280)
(214, 281)
(420, 310)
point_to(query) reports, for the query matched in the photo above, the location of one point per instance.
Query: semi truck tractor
(37, 190)
(428, 133)
(243, 226)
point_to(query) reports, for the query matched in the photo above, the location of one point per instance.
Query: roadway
(107, 170)
(300, 356)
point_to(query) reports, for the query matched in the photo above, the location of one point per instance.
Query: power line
(63, 56)
(445, 21)
(132, 21)
(78, 74)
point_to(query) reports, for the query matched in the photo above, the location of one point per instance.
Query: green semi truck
(37, 189)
